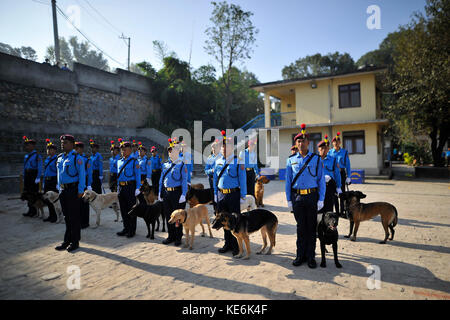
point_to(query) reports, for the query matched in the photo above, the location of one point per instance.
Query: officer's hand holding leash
(339, 191)
(136, 193)
(182, 199)
(37, 180)
(89, 188)
(159, 197)
(348, 181)
(149, 181)
(319, 205)
(327, 178)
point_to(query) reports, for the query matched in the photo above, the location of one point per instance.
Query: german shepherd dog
(328, 234)
(36, 199)
(199, 196)
(359, 212)
(150, 214)
(149, 192)
(243, 224)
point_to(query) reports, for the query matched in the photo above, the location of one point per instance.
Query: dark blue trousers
(305, 213)
(171, 203)
(70, 204)
(127, 199)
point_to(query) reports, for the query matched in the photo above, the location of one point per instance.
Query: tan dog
(190, 218)
(259, 190)
(102, 201)
(366, 211)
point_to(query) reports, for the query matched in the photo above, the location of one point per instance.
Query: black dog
(203, 196)
(36, 200)
(150, 214)
(328, 234)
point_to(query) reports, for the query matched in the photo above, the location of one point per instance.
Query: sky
(288, 29)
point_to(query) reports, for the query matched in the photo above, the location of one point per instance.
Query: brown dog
(148, 192)
(365, 211)
(259, 190)
(198, 186)
(190, 218)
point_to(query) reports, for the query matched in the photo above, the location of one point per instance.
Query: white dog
(249, 204)
(101, 201)
(53, 197)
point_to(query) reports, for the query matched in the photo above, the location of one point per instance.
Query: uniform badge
(185, 169)
(80, 161)
(88, 165)
(137, 166)
(242, 167)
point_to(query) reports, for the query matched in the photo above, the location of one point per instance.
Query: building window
(354, 142)
(314, 139)
(350, 96)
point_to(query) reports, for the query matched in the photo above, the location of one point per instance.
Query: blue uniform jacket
(177, 176)
(250, 160)
(50, 166)
(308, 179)
(71, 169)
(234, 175)
(145, 166)
(88, 168)
(97, 163)
(33, 161)
(188, 160)
(156, 162)
(113, 163)
(342, 158)
(130, 172)
(330, 168)
(209, 165)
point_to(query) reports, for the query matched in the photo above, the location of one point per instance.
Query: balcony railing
(279, 119)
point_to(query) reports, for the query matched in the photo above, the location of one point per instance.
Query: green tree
(75, 51)
(317, 65)
(230, 40)
(421, 75)
(22, 52)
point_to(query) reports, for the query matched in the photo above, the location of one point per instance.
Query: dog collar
(56, 199)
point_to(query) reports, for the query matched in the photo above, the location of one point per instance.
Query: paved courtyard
(413, 266)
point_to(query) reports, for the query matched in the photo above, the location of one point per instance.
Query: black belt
(30, 170)
(126, 183)
(173, 189)
(50, 178)
(226, 191)
(69, 185)
(304, 192)
(155, 170)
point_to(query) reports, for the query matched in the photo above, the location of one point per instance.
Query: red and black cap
(50, 145)
(337, 137)
(79, 144)
(141, 146)
(172, 143)
(324, 142)
(93, 144)
(153, 148)
(67, 137)
(302, 135)
(26, 140)
(113, 146)
(134, 144)
(124, 144)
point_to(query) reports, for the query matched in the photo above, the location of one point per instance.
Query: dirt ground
(413, 266)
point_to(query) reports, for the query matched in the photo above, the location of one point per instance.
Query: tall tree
(421, 75)
(22, 52)
(230, 40)
(317, 65)
(81, 52)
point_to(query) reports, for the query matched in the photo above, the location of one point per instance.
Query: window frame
(349, 95)
(352, 135)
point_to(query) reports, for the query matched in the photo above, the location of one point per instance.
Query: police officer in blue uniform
(115, 156)
(72, 181)
(32, 171)
(134, 150)
(332, 175)
(344, 166)
(50, 180)
(84, 207)
(209, 167)
(144, 164)
(129, 182)
(188, 160)
(305, 193)
(173, 189)
(97, 168)
(230, 188)
(250, 159)
(155, 167)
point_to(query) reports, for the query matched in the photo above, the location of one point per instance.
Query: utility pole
(129, 39)
(55, 31)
